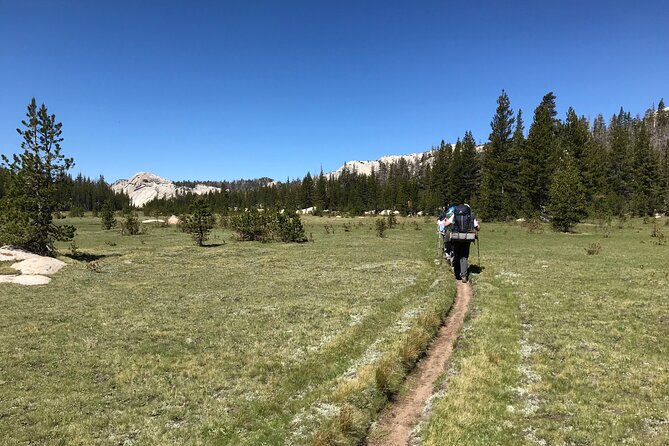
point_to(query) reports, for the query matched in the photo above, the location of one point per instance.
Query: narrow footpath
(397, 422)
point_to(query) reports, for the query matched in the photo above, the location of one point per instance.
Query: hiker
(464, 226)
(445, 214)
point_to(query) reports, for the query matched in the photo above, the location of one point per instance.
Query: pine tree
(620, 162)
(466, 171)
(496, 171)
(540, 157)
(646, 192)
(439, 185)
(574, 136)
(27, 218)
(107, 215)
(664, 176)
(306, 198)
(515, 159)
(594, 171)
(320, 193)
(200, 221)
(566, 195)
(454, 173)
(4, 181)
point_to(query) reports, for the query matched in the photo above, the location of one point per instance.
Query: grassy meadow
(151, 340)
(562, 347)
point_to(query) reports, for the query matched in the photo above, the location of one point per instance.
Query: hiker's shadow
(476, 269)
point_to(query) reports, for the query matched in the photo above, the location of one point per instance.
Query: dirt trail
(397, 422)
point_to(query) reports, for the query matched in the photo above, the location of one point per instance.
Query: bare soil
(397, 422)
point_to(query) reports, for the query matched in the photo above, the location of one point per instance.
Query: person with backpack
(444, 231)
(464, 226)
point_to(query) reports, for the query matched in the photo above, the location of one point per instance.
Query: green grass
(162, 342)
(562, 347)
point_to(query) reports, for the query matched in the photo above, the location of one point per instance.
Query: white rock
(153, 220)
(366, 167)
(25, 279)
(15, 255)
(145, 186)
(173, 220)
(39, 265)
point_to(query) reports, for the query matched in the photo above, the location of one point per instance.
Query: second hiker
(464, 226)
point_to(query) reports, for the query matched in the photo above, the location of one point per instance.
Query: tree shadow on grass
(213, 245)
(88, 257)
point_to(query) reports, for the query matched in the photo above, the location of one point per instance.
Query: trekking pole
(478, 248)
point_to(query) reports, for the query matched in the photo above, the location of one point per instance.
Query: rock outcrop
(145, 186)
(417, 159)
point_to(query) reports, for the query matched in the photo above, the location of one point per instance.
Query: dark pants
(460, 263)
(448, 246)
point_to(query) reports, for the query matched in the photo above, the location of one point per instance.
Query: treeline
(80, 193)
(572, 165)
(598, 168)
(234, 186)
(615, 168)
(86, 194)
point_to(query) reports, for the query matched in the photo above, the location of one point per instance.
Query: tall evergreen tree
(664, 176)
(320, 193)
(574, 136)
(541, 155)
(306, 199)
(566, 195)
(620, 162)
(515, 159)
(31, 199)
(466, 179)
(439, 182)
(646, 191)
(593, 168)
(497, 171)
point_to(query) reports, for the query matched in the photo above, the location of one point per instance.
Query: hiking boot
(464, 279)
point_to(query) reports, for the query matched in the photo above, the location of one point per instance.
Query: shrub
(381, 227)
(252, 226)
(392, 221)
(622, 220)
(593, 249)
(130, 224)
(200, 222)
(657, 233)
(107, 216)
(532, 225)
(288, 229)
(249, 226)
(76, 211)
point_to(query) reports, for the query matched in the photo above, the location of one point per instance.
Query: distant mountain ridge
(366, 167)
(144, 187)
(413, 159)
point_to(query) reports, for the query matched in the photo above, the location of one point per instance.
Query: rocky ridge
(145, 187)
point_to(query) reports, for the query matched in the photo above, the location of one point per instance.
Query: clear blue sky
(243, 89)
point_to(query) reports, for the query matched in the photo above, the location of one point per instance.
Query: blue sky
(224, 90)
